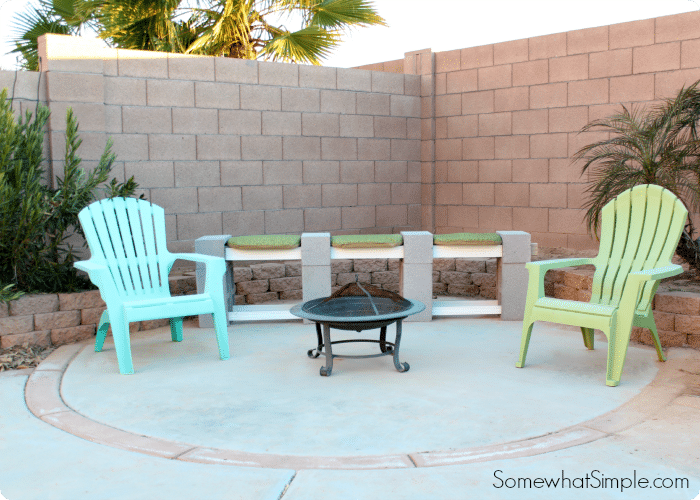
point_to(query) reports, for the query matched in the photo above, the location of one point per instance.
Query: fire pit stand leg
(382, 340)
(326, 370)
(402, 367)
(319, 346)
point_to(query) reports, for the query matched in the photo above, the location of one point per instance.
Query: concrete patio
(264, 425)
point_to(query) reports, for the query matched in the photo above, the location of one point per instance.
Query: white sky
(451, 24)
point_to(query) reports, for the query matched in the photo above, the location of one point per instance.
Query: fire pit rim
(297, 310)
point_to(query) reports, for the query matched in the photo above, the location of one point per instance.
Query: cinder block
(534, 121)
(405, 193)
(283, 74)
(302, 148)
(389, 127)
(515, 146)
(241, 173)
(358, 171)
(236, 70)
(552, 95)
(358, 217)
(284, 221)
(531, 219)
(282, 172)
(261, 148)
(146, 120)
(190, 67)
(354, 79)
(578, 140)
(512, 195)
(564, 69)
(402, 105)
(262, 197)
(218, 147)
(316, 281)
(139, 63)
(448, 149)
(531, 73)
(338, 101)
(91, 148)
(477, 148)
(320, 124)
(321, 172)
(244, 223)
(261, 97)
(448, 194)
(678, 27)
(570, 119)
(448, 104)
(690, 54)
(391, 215)
(90, 116)
(495, 77)
(339, 195)
(611, 63)
(447, 61)
(219, 199)
(195, 121)
(388, 83)
(172, 147)
(462, 171)
(667, 84)
(412, 84)
(390, 171)
(461, 81)
(373, 193)
(67, 86)
(632, 88)
(338, 148)
(548, 146)
(151, 173)
(192, 226)
(176, 93)
(495, 124)
(356, 126)
(302, 196)
(405, 150)
(632, 34)
(294, 99)
(240, 122)
(373, 104)
(281, 123)
(510, 52)
(317, 77)
(566, 221)
(113, 119)
(658, 57)
(175, 200)
(32, 303)
(322, 219)
(479, 102)
(415, 283)
(511, 99)
(316, 250)
(130, 147)
(495, 219)
(476, 57)
(591, 91)
(216, 95)
(587, 40)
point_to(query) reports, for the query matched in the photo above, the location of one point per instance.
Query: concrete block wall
(501, 121)
(246, 147)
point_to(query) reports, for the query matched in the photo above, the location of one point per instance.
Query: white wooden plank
(261, 313)
(465, 307)
(289, 254)
(367, 253)
(453, 251)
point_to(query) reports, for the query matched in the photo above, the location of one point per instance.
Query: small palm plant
(657, 146)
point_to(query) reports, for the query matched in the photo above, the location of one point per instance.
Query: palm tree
(248, 29)
(658, 146)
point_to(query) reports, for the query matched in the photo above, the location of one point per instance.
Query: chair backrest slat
(640, 231)
(129, 235)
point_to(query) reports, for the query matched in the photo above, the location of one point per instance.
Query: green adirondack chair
(130, 264)
(639, 234)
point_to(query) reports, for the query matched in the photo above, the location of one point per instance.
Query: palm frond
(337, 14)
(308, 45)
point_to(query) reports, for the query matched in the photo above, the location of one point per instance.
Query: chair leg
(102, 331)
(122, 344)
(524, 342)
(221, 328)
(588, 339)
(657, 343)
(176, 329)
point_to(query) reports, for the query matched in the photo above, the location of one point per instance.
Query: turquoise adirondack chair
(639, 235)
(130, 264)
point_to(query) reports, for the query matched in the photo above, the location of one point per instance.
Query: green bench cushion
(467, 239)
(367, 241)
(265, 242)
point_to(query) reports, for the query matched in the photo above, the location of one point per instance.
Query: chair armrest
(542, 266)
(197, 257)
(99, 274)
(657, 273)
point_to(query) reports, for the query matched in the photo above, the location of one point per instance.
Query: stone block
(190, 67)
(239, 300)
(82, 300)
(470, 266)
(242, 274)
(292, 268)
(321, 172)
(252, 287)
(261, 298)
(217, 95)
(444, 265)
(282, 74)
(302, 196)
(218, 147)
(484, 280)
(667, 339)
(694, 341)
(170, 93)
(29, 304)
(241, 173)
(320, 124)
(345, 278)
(384, 277)
(455, 278)
(358, 217)
(354, 79)
(42, 338)
(292, 295)
(389, 83)
(683, 323)
(282, 172)
(284, 221)
(530, 73)
(16, 324)
(356, 126)
(71, 335)
(195, 225)
(59, 319)
(219, 199)
(5, 309)
(67, 86)
(338, 148)
(551, 95)
(172, 147)
(373, 104)
(153, 324)
(196, 173)
(511, 99)
(666, 321)
(682, 303)
(632, 88)
(284, 284)
(463, 290)
(341, 266)
(294, 99)
(281, 123)
(261, 97)
(322, 219)
(318, 77)
(369, 265)
(439, 288)
(176, 200)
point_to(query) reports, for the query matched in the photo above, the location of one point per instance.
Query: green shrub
(36, 220)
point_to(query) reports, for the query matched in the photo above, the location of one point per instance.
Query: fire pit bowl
(358, 308)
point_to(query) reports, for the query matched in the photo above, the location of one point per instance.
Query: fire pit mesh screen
(355, 299)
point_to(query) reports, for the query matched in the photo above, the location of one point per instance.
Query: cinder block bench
(512, 249)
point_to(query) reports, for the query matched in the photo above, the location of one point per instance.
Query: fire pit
(357, 307)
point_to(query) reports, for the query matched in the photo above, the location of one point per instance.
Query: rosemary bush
(36, 220)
